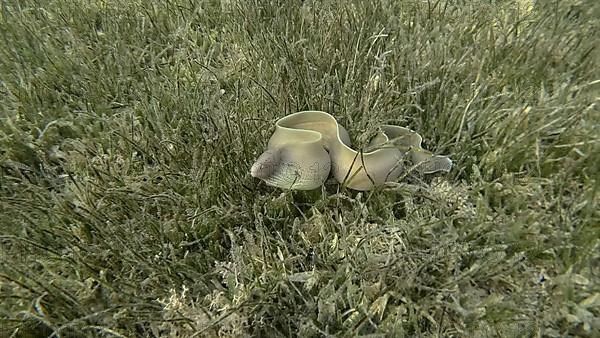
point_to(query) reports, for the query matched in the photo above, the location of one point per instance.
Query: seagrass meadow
(128, 129)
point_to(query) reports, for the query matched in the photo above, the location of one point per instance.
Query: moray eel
(307, 146)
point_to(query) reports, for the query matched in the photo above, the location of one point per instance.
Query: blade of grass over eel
(308, 145)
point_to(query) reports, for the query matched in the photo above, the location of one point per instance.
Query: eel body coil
(307, 146)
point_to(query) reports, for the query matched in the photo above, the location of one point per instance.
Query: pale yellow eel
(308, 145)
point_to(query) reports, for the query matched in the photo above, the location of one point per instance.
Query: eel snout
(266, 164)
